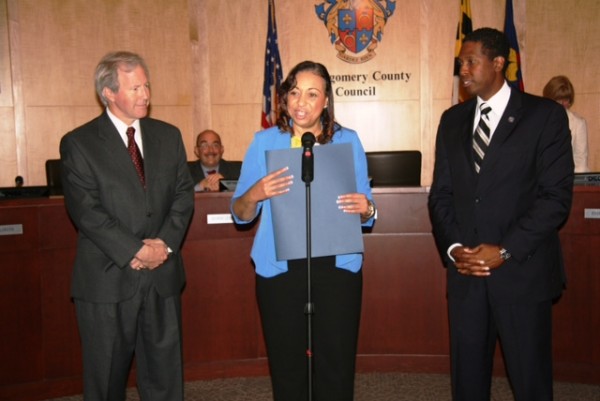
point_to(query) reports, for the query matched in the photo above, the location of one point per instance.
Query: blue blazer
(254, 168)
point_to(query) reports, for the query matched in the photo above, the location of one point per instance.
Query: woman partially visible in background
(561, 89)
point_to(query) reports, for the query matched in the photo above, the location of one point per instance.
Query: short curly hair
(493, 43)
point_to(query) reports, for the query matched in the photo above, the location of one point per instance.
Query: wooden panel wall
(206, 60)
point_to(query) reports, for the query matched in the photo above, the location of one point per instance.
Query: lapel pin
(511, 119)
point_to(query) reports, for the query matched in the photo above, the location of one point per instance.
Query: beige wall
(206, 63)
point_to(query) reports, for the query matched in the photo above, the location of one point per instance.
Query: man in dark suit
(211, 168)
(496, 206)
(128, 272)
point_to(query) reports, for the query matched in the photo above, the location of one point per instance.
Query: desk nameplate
(11, 229)
(591, 213)
(220, 218)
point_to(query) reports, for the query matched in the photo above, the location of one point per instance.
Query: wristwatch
(370, 210)
(504, 254)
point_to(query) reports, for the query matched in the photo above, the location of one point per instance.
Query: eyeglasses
(213, 146)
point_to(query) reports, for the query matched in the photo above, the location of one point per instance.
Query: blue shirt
(254, 168)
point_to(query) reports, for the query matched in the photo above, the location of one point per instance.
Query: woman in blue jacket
(305, 105)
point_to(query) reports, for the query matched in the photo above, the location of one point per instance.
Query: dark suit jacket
(229, 170)
(519, 200)
(113, 212)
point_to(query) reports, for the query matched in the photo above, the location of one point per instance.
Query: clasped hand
(211, 183)
(478, 261)
(151, 255)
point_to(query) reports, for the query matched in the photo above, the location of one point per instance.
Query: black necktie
(136, 155)
(481, 138)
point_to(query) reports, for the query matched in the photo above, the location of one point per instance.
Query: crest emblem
(355, 27)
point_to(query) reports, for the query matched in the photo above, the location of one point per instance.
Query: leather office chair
(53, 178)
(394, 168)
(236, 163)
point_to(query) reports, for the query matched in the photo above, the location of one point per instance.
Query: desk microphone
(308, 161)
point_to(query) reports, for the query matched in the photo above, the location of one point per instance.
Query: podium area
(404, 325)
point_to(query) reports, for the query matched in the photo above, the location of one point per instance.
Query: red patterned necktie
(136, 155)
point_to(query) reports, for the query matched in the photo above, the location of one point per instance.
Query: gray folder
(333, 232)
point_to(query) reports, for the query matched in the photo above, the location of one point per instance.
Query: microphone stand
(308, 140)
(309, 307)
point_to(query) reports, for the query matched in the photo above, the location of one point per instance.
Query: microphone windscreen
(308, 140)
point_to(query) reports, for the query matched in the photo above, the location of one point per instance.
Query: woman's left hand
(353, 203)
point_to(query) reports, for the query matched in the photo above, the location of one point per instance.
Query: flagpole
(464, 27)
(513, 71)
(273, 72)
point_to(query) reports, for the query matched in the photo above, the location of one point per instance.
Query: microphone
(308, 141)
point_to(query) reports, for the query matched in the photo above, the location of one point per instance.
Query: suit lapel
(116, 149)
(506, 126)
(509, 120)
(465, 132)
(152, 154)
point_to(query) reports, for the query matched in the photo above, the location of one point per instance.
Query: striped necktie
(481, 138)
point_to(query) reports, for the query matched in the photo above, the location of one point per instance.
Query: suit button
(148, 214)
(477, 200)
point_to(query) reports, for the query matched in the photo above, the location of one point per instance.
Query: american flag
(513, 72)
(465, 26)
(273, 74)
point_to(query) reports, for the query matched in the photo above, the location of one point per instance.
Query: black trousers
(525, 333)
(336, 296)
(146, 325)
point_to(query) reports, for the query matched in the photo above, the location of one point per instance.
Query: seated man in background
(211, 167)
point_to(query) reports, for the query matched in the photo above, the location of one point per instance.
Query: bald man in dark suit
(128, 273)
(211, 168)
(496, 206)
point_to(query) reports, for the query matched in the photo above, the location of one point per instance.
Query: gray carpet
(369, 387)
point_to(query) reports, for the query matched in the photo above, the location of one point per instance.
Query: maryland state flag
(464, 27)
(513, 72)
(273, 74)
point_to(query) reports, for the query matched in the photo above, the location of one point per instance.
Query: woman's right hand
(273, 184)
